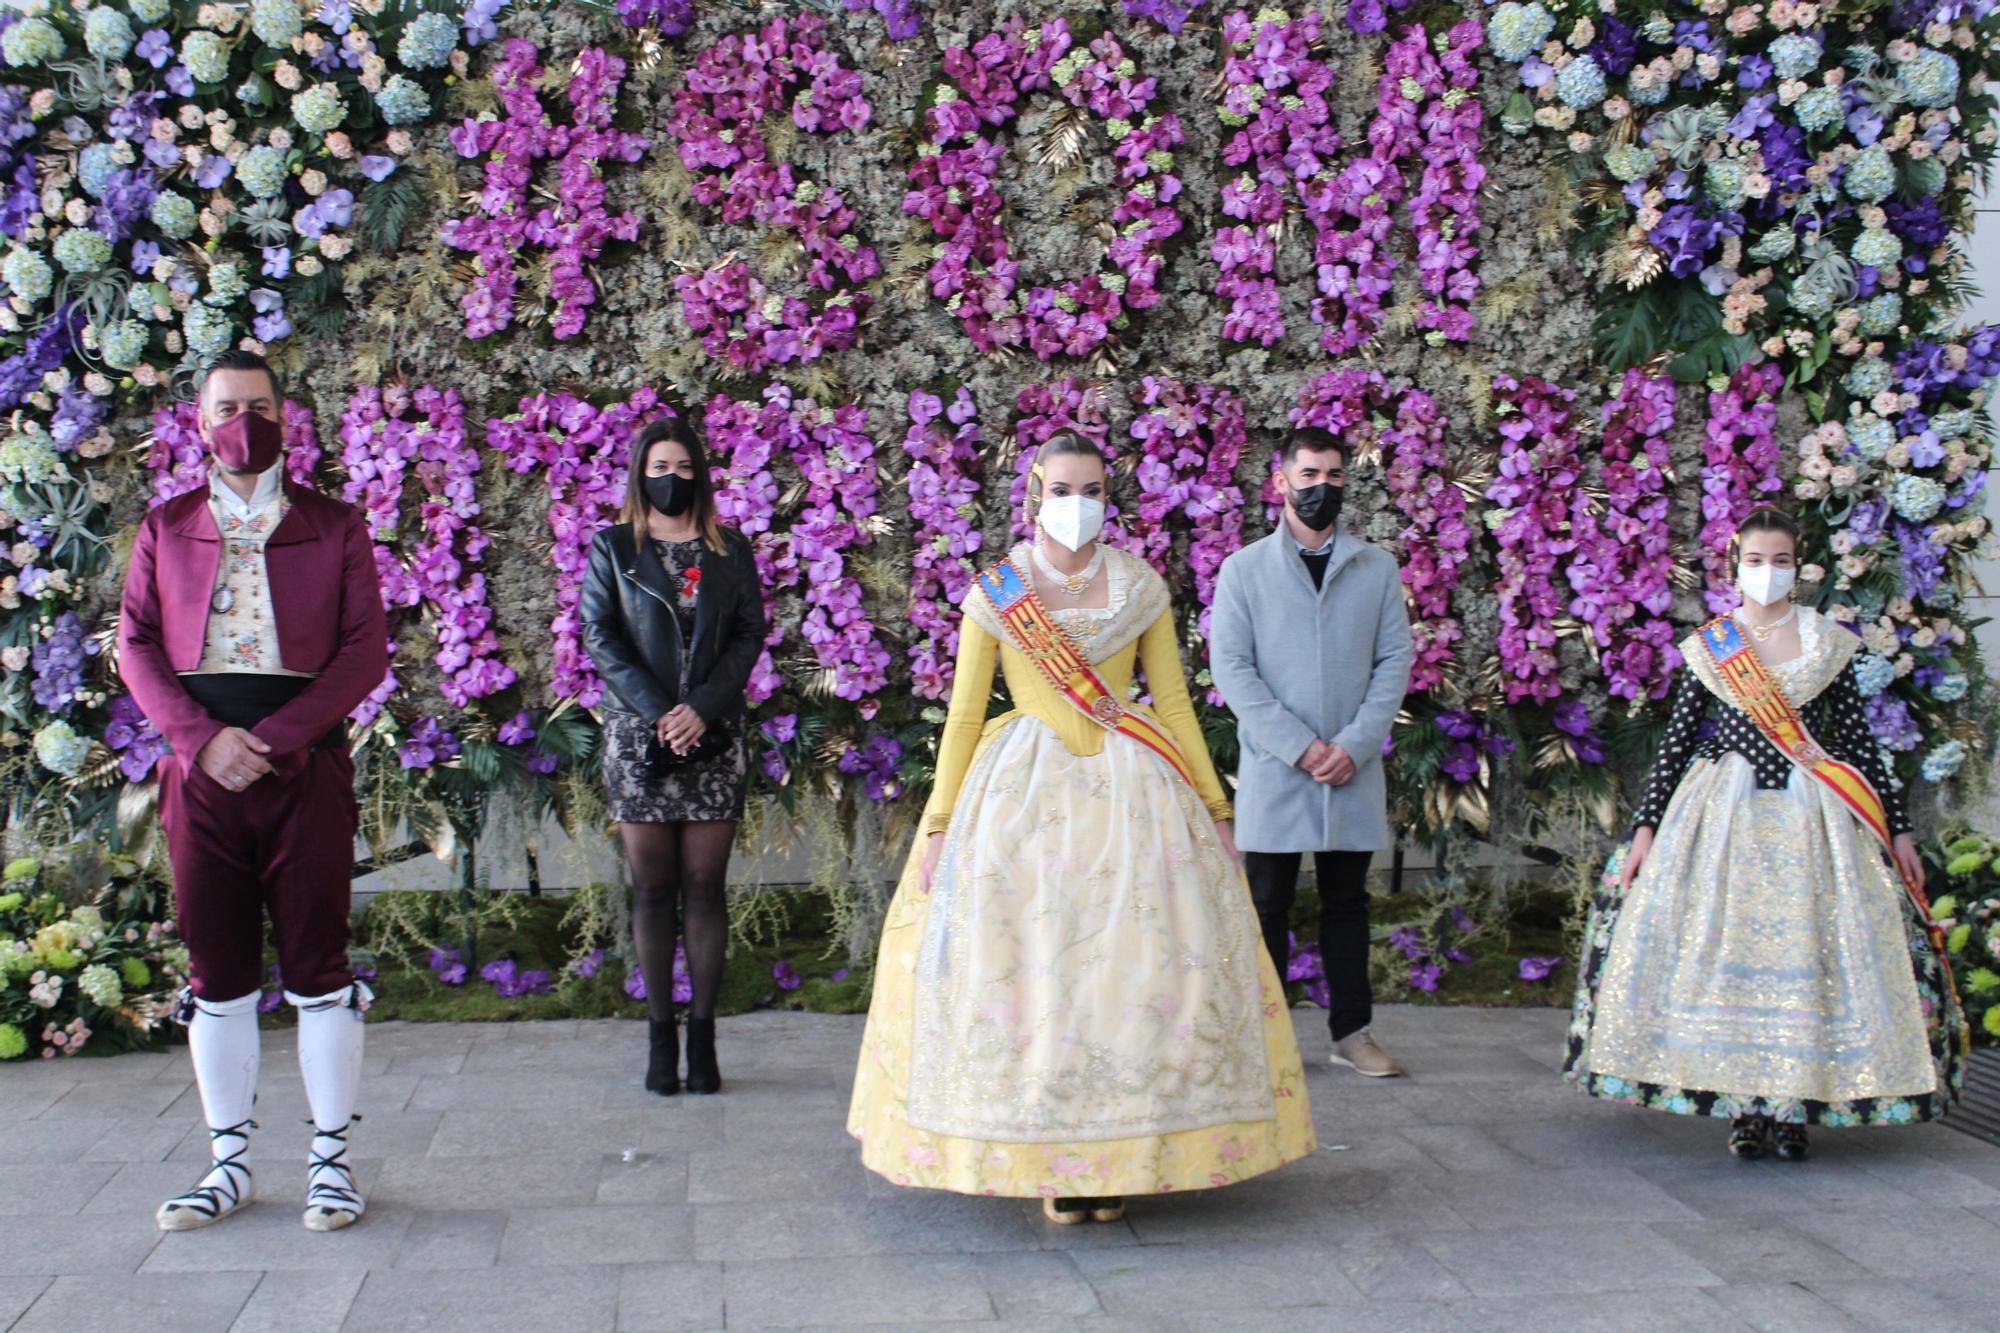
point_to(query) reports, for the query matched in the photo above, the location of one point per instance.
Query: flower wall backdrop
(1582, 286)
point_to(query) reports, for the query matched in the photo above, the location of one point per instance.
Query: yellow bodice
(1156, 652)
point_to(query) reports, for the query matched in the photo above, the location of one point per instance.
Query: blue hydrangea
(27, 274)
(1944, 760)
(1794, 55)
(1871, 176)
(1873, 674)
(1517, 31)
(29, 456)
(402, 101)
(57, 746)
(174, 214)
(319, 108)
(428, 42)
(123, 344)
(94, 166)
(1917, 498)
(31, 41)
(261, 171)
(1630, 162)
(1581, 83)
(1877, 247)
(276, 22)
(1954, 424)
(1774, 244)
(207, 330)
(226, 284)
(1651, 95)
(1815, 294)
(80, 251)
(1951, 688)
(1870, 375)
(1928, 79)
(1871, 436)
(205, 56)
(1723, 180)
(251, 93)
(1818, 111)
(107, 33)
(1881, 315)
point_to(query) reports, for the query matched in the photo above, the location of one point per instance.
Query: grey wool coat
(1297, 664)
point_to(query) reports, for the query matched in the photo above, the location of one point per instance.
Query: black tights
(680, 865)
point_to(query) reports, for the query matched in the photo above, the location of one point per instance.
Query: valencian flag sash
(1758, 694)
(1056, 657)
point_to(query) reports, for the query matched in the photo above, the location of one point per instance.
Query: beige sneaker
(1359, 1052)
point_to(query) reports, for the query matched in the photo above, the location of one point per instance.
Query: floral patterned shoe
(1792, 1143)
(1066, 1212)
(1749, 1136)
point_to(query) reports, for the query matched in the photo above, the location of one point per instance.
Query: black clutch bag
(662, 762)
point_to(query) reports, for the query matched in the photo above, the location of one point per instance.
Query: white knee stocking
(330, 1039)
(222, 1041)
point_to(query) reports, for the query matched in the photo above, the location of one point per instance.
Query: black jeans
(1343, 925)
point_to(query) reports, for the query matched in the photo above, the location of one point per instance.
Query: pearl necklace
(1761, 633)
(1073, 584)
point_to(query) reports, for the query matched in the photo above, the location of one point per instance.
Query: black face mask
(1318, 507)
(671, 494)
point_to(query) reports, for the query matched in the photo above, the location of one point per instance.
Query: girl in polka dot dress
(1755, 955)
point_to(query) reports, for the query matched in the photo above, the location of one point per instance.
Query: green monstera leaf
(1630, 329)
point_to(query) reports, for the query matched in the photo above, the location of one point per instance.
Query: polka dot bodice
(1835, 719)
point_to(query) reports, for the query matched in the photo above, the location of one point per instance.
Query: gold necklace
(1763, 633)
(1073, 584)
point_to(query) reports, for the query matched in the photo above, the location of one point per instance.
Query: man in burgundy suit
(252, 624)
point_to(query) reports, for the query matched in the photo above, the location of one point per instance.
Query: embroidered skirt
(1765, 961)
(1081, 1006)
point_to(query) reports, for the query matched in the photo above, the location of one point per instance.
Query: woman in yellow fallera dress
(1072, 1001)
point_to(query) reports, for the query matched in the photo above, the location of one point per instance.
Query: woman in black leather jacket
(673, 619)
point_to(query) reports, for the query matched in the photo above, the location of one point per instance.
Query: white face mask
(1765, 584)
(1073, 520)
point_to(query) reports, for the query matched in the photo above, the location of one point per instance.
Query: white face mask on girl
(1073, 520)
(1765, 584)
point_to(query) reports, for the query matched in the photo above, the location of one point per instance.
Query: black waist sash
(243, 699)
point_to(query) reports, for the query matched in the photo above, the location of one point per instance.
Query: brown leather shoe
(1358, 1051)
(1107, 1210)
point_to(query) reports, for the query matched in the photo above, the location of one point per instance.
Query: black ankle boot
(703, 1076)
(663, 1061)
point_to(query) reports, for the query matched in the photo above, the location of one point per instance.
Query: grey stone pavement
(520, 1179)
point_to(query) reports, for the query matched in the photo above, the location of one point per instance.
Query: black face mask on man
(1318, 507)
(671, 494)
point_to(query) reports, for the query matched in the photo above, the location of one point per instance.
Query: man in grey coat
(1310, 646)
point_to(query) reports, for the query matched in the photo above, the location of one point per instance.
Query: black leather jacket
(634, 637)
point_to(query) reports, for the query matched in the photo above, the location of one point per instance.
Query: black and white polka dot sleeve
(1676, 749)
(1843, 729)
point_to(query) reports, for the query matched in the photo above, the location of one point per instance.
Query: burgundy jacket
(325, 599)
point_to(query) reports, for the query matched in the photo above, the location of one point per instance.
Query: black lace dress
(703, 789)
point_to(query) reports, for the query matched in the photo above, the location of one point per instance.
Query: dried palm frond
(780, 134)
(1512, 298)
(1635, 263)
(1063, 138)
(779, 253)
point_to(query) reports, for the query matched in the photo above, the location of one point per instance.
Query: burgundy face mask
(247, 442)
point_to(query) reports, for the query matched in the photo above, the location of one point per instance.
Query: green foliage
(1629, 330)
(1970, 915)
